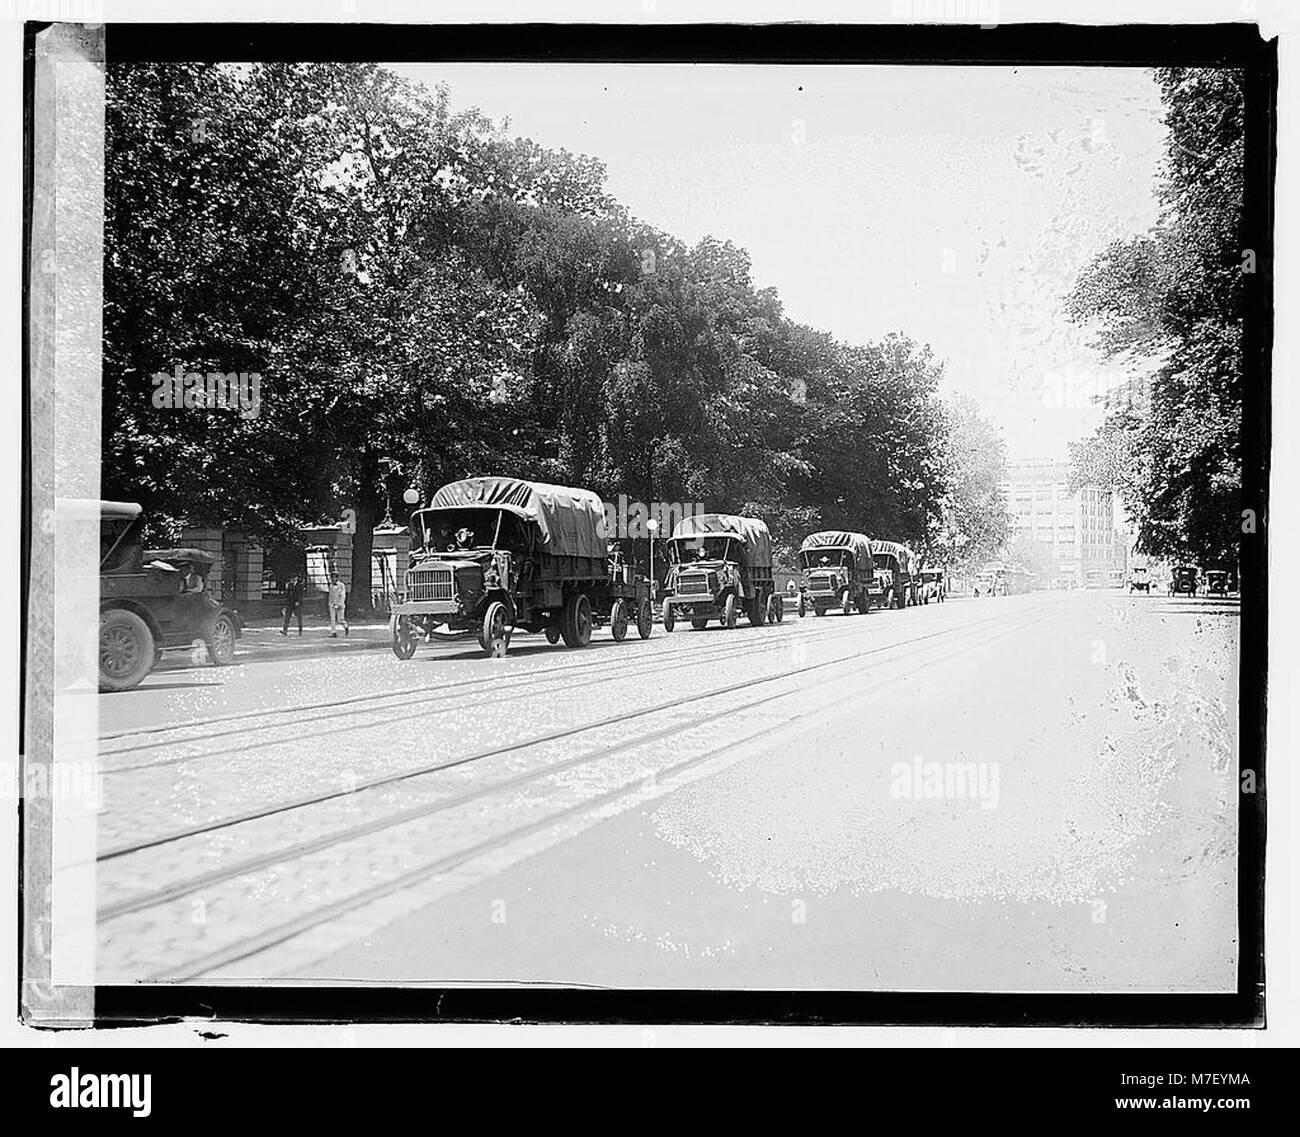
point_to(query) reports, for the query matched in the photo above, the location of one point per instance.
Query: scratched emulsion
(1071, 801)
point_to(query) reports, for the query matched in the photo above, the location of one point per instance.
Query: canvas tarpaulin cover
(571, 521)
(857, 543)
(752, 532)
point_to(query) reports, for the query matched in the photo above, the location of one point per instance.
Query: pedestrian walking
(338, 601)
(292, 603)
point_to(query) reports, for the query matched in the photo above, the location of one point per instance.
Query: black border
(1225, 45)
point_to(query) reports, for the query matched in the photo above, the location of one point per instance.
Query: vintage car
(497, 555)
(720, 565)
(895, 574)
(1216, 582)
(1183, 578)
(153, 600)
(837, 572)
(1139, 579)
(932, 586)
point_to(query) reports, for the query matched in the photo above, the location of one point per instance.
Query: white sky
(953, 204)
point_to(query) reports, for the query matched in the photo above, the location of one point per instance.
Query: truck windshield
(684, 550)
(824, 558)
(450, 530)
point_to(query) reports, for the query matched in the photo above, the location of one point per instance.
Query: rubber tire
(780, 610)
(224, 655)
(803, 606)
(618, 621)
(136, 639)
(756, 613)
(670, 621)
(494, 636)
(698, 624)
(645, 620)
(575, 621)
(552, 634)
(728, 619)
(405, 639)
(846, 603)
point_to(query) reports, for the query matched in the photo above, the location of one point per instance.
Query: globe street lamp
(652, 525)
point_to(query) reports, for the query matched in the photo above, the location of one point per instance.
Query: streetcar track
(511, 681)
(261, 941)
(528, 743)
(420, 708)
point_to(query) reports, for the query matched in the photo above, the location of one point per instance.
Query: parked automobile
(153, 600)
(1183, 578)
(719, 566)
(1139, 579)
(895, 567)
(838, 572)
(1216, 582)
(497, 555)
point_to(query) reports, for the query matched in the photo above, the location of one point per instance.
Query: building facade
(1078, 533)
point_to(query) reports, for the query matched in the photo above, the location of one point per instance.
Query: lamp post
(652, 525)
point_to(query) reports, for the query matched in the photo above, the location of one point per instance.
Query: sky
(954, 204)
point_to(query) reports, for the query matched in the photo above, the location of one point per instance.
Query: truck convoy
(493, 555)
(719, 566)
(896, 567)
(838, 572)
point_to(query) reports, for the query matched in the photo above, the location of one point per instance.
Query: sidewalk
(261, 639)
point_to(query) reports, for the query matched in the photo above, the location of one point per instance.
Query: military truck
(896, 567)
(152, 600)
(719, 566)
(496, 555)
(838, 572)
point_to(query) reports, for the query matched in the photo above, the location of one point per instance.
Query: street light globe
(411, 496)
(652, 525)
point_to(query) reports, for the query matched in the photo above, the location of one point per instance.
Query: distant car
(1139, 580)
(1216, 582)
(1183, 579)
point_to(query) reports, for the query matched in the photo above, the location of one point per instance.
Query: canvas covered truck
(496, 555)
(896, 568)
(720, 565)
(838, 572)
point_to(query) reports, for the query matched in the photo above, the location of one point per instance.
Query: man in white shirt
(338, 599)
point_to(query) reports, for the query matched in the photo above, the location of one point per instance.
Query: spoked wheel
(670, 621)
(780, 609)
(645, 619)
(774, 606)
(729, 612)
(126, 651)
(846, 602)
(618, 621)
(803, 606)
(757, 612)
(221, 644)
(405, 638)
(552, 634)
(575, 625)
(698, 624)
(494, 637)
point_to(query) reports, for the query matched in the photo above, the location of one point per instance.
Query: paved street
(1020, 793)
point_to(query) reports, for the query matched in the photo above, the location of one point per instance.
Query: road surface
(1032, 793)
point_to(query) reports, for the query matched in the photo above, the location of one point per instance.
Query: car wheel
(698, 624)
(729, 611)
(575, 624)
(493, 636)
(803, 606)
(670, 621)
(126, 649)
(757, 612)
(405, 638)
(846, 602)
(618, 621)
(645, 620)
(552, 634)
(221, 643)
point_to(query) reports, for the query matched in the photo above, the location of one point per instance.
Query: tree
(974, 522)
(1175, 296)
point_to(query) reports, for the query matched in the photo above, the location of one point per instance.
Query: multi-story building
(1080, 529)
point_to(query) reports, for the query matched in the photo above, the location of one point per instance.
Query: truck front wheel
(729, 611)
